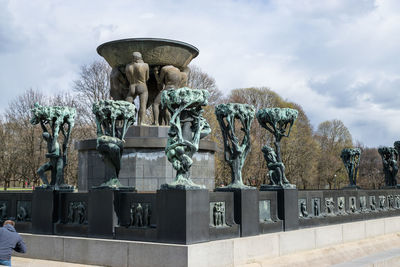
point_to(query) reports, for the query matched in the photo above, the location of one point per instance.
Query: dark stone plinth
(229, 229)
(245, 209)
(44, 211)
(127, 229)
(69, 226)
(71, 229)
(271, 223)
(137, 234)
(23, 227)
(102, 216)
(287, 201)
(183, 216)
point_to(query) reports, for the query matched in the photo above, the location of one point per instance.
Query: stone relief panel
(397, 201)
(390, 201)
(217, 214)
(24, 211)
(3, 209)
(140, 214)
(316, 207)
(77, 212)
(372, 203)
(352, 204)
(341, 205)
(363, 203)
(302, 206)
(265, 210)
(329, 206)
(382, 202)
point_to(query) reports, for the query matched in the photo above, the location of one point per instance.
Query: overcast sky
(339, 59)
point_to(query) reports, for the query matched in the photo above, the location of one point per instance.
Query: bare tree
(92, 86)
(198, 79)
(332, 137)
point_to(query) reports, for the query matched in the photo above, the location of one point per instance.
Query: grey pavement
(385, 258)
(26, 262)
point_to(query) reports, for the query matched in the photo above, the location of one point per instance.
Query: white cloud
(337, 58)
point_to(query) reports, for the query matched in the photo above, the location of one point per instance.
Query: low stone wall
(228, 252)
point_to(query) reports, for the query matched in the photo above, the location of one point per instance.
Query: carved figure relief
(3, 210)
(24, 210)
(390, 201)
(341, 205)
(372, 203)
(352, 204)
(140, 214)
(217, 214)
(363, 203)
(77, 212)
(59, 119)
(265, 210)
(382, 202)
(316, 207)
(303, 208)
(329, 206)
(397, 201)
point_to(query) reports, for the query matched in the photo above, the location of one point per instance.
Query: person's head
(136, 56)
(12, 223)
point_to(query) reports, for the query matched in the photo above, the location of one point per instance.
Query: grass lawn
(16, 189)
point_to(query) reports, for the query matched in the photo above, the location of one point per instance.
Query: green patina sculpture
(235, 150)
(351, 160)
(389, 160)
(277, 121)
(110, 115)
(187, 127)
(59, 119)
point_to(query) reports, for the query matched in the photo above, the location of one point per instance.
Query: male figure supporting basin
(169, 77)
(137, 73)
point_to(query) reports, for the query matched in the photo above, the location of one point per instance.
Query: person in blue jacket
(9, 240)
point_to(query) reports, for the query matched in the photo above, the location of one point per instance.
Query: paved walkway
(25, 262)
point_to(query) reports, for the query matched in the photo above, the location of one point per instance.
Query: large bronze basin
(154, 52)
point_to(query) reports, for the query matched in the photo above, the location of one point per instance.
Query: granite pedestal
(45, 211)
(102, 217)
(287, 206)
(144, 164)
(246, 209)
(183, 215)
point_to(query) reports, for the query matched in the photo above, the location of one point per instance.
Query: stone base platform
(144, 164)
(319, 246)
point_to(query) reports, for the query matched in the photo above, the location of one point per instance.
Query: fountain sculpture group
(182, 210)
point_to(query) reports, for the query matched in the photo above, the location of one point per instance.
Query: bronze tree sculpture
(389, 160)
(277, 121)
(110, 138)
(235, 150)
(58, 119)
(351, 160)
(187, 127)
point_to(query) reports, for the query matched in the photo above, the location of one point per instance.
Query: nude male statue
(169, 77)
(57, 160)
(119, 84)
(137, 73)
